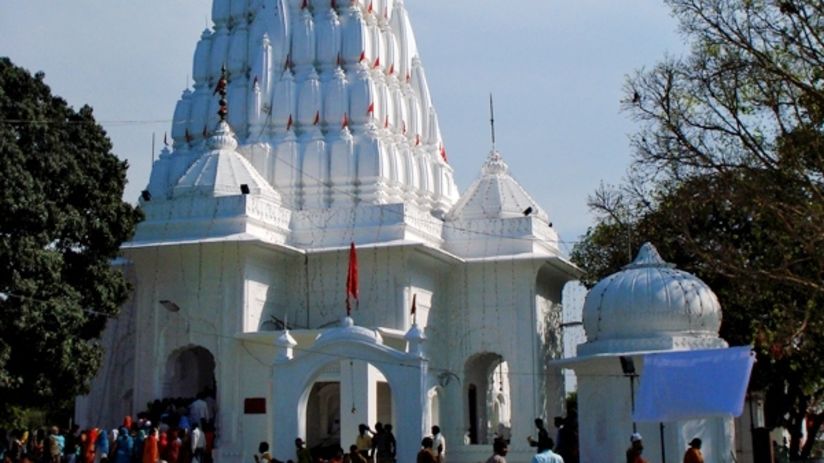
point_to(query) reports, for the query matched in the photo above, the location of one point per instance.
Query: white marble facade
(332, 137)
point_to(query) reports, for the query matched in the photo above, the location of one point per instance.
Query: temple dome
(222, 170)
(649, 298)
(495, 195)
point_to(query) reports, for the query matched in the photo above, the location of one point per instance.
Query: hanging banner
(694, 384)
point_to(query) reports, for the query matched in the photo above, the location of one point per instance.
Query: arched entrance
(364, 363)
(346, 394)
(189, 371)
(488, 403)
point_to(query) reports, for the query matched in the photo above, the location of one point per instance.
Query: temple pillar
(358, 398)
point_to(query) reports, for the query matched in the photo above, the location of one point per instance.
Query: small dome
(222, 171)
(495, 195)
(348, 331)
(650, 298)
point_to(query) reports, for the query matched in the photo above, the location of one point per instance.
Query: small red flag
(304, 4)
(205, 132)
(352, 280)
(391, 69)
(417, 139)
(362, 56)
(377, 62)
(371, 7)
(371, 109)
(317, 118)
(414, 305)
(386, 122)
(221, 86)
(344, 123)
(255, 82)
(443, 154)
(166, 138)
(289, 123)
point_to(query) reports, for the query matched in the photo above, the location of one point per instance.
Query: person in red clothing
(173, 449)
(151, 453)
(162, 445)
(88, 446)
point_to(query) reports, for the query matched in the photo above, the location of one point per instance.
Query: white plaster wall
(110, 394)
(549, 315)
(498, 307)
(254, 380)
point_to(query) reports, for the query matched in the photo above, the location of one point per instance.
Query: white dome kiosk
(648, 307)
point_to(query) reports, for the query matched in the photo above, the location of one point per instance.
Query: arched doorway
(346, 394)
(190, 371)
(488, 402)
(356, 351)
(323, 416)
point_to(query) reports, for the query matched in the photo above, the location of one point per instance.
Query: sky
(556, 69)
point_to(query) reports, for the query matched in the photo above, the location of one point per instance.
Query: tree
(728, 181)
(62, 221)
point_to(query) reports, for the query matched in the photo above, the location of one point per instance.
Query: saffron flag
(695, 384)
(414, 305)
(352, 280)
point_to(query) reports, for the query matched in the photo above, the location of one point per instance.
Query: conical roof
(496, 195)
(222, 171)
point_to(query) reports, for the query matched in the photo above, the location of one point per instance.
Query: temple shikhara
(310, 127)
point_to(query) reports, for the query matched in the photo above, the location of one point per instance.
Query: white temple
(239, 269)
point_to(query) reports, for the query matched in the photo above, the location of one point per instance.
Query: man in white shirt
(545, 453)
(438, 442)
(198, 444)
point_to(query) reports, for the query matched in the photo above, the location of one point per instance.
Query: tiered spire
(291, 71)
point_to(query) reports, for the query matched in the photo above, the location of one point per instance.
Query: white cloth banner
(694, 384)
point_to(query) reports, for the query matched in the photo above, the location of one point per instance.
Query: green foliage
(62, 221)
(728, 183)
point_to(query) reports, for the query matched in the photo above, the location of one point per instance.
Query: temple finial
(221, 89)
(492, 120)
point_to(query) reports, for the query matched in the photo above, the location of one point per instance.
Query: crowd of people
(171, 430)
(182, 431)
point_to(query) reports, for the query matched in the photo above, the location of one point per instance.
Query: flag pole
(663, 448)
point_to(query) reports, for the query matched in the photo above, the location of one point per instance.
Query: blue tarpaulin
(693, 384)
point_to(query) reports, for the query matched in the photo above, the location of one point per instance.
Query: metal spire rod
(492, 119)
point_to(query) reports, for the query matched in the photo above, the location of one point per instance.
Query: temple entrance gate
(355, 351)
